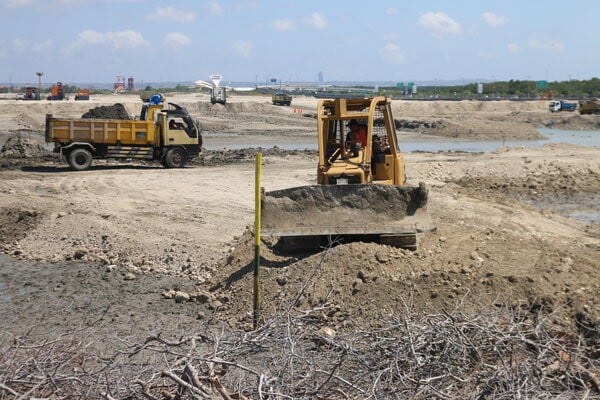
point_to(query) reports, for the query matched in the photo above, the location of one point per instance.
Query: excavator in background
(361, 191)
(57, 92)
(218, 94)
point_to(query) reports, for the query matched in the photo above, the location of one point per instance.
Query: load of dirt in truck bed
(116, 111)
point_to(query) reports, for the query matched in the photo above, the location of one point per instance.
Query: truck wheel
(175, 158)
(80, 159)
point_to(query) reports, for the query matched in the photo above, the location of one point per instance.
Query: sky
(293, 40)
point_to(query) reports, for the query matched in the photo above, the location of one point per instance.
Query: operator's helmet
(156, 99)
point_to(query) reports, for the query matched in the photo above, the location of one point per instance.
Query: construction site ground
(133, 249)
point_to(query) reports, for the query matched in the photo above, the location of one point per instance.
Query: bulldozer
(361, 192)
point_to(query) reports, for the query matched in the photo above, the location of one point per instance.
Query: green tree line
(512, 88)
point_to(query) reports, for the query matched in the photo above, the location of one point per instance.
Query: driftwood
(498, 353)
(494, 354)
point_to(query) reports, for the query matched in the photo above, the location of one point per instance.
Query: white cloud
(91, 36)
(493, 20)
(214, 8)
(171, 14)
(513, 48)
(177, 40)
(393, 54)
(20, 45)
(126, 39)
(243, 48)
(42, 46)
(438, 23)
(392, 11)
(547, 44)
(284, 25)
(317, 21)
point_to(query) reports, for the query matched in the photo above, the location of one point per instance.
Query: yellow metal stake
(257, 205)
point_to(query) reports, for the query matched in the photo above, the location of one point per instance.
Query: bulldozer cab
(360, 192)
(343, 159)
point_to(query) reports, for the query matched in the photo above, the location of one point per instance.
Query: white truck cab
(554, 106)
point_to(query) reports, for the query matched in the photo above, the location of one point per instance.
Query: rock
(181, 297)
(281, 280)
(168, 294)
(327, 332)
(201, 296)
(224, 299)
(475, 257)
(79, 254)
(129, 276)
(382, 257)
(215, 305)
(111, 268)
(362, 276)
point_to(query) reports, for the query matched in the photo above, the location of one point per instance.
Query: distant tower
(39, 93)
(130, 83)
(320, 78)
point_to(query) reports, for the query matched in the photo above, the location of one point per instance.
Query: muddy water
(581, 206)
(408, 141)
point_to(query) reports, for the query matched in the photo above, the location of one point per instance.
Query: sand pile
(20, 147)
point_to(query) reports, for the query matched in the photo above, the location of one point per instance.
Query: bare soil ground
(96, 262)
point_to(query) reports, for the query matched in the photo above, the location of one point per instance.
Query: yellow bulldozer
(361, 191)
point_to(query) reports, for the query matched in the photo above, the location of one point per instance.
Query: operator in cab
(357, 134)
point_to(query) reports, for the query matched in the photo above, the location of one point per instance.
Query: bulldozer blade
(356, 209)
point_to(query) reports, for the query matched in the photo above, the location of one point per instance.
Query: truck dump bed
(101, 131)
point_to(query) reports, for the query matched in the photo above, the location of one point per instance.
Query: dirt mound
(116, 111)
(17, 146)
(365, 283)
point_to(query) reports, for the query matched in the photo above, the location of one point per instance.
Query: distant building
(119, 85)
(320, 78)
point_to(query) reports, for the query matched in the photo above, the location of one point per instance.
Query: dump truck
(561, 105)
(361, 190)
(281, 99)
(164, 132)
(589, 106)
(82, 94)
